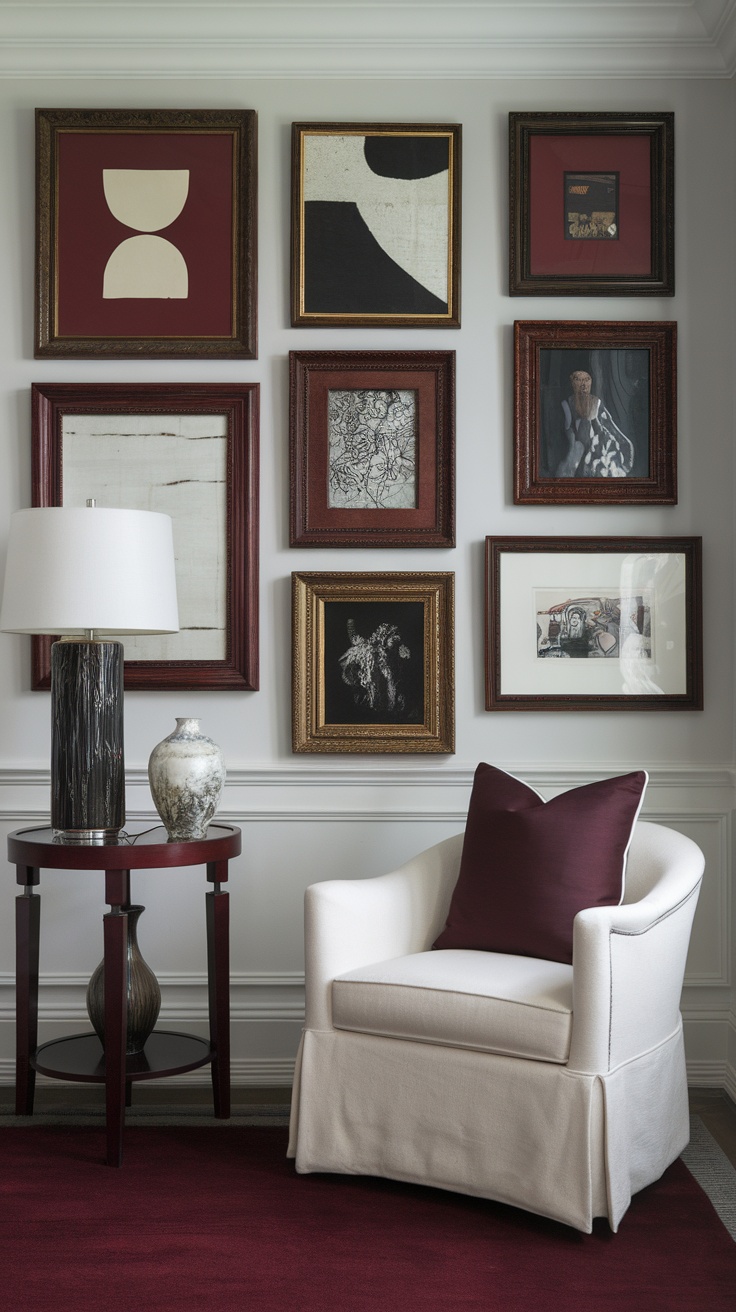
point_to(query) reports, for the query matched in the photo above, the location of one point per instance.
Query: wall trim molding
(390, 775)
(62, 998)
(341, 39)
(275, 1072)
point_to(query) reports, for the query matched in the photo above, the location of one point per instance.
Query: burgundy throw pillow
(528, 866)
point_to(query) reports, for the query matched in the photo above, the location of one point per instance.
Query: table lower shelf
(82, 1057)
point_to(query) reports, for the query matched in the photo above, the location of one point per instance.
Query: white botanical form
(371, 667)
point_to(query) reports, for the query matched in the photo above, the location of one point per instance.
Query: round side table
(82, 1056)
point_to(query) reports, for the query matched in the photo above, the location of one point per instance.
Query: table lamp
(83, 574)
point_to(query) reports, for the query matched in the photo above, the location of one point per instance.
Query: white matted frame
(593, 624)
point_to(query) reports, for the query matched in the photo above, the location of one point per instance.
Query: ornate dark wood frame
(690, 700)
(242, 124)
(239, 403)
(300, 318)
(660, 128)
(312, 523)
(659, 338)
(310, 592)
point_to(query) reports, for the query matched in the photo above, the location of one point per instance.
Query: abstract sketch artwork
(594, 626)
(177, 464)
(372, 447)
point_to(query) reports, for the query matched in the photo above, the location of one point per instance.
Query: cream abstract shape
(146, 267)
(407, 217)
(146, 199)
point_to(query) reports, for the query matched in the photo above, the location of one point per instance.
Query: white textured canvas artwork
(406, 216)
(176, 464)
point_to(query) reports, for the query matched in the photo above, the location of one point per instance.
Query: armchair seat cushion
(491, 1002)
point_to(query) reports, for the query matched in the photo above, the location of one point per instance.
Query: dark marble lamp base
(87, 761)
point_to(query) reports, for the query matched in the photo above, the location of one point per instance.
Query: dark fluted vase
(144, 994)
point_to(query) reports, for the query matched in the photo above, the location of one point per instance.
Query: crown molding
(338, 39)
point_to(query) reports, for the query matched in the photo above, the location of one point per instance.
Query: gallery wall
(311, 817)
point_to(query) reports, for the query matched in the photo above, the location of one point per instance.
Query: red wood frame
(659, 339)
(240, 404)
(313, 522)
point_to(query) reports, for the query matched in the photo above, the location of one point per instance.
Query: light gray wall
(310, 818)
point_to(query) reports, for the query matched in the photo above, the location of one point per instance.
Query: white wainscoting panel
(300, 826)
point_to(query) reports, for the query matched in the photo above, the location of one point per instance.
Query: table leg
(27, 934)
(117, 893)
(218, 978)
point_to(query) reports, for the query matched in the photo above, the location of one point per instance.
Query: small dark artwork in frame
(595, 413)
(591, 204)
(375, 225)
(373, 662)
(372, 446)
(591, 207)
(189, 450)
(594, 624)
(146, 233)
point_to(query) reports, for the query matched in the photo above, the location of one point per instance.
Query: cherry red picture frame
(235, 541)
(212, 237)
(430, 376)
(644, 405)
(635, 257)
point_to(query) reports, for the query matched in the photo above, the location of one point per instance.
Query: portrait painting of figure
(594, 413)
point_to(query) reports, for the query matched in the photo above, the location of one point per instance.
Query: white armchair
(560, 1089)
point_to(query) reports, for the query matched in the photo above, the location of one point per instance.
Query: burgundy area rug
(216, 1220)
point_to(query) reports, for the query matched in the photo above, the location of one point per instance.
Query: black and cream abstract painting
(377, 218)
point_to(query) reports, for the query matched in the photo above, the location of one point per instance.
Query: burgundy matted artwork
(372, 436)
(189, 450)
(592, 204)
(146, 233)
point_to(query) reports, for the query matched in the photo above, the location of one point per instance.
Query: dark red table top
(149, 849)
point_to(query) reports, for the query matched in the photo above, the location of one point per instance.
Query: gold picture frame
(373, 662)
(348, 268)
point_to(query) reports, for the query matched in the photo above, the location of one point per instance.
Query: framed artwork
(593, 624)
(372, 436)
(375, 225)
(373, 662)
(592, 204)
(191, 451)
(595, 413)
(146, 233)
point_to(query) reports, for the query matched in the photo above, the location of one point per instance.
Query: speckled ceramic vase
(186, 775)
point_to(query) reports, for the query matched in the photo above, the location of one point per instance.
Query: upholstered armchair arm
(351, 922)
(629, 960)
